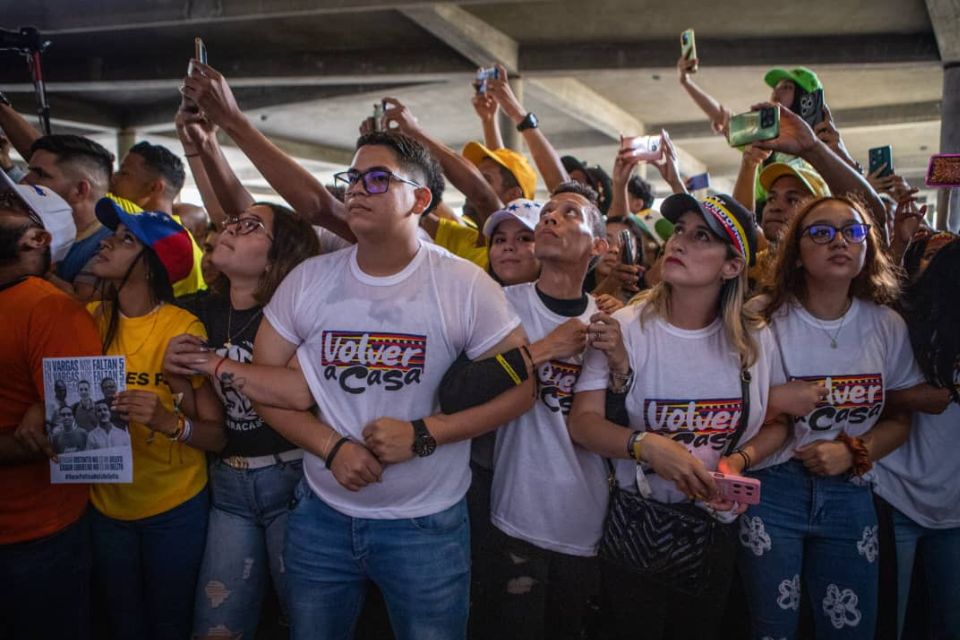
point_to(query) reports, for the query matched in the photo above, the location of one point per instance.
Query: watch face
(424, 446)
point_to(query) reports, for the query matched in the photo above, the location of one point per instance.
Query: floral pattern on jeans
(753, 535)
(790, 593)
(841, 607)
(869, 545)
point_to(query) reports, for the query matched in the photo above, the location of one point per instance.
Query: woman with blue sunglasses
(843, 349)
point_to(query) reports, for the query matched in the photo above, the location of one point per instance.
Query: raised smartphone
(199, 50)
(688, 45)
(378, 116)
(754, 126)
(643, 147)
(483, 75)
(737, 488)
(697, 182)
(944, 170)
(628, 248)
(878, 157)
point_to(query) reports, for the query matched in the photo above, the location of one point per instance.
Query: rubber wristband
(747, 462)
(333, 452)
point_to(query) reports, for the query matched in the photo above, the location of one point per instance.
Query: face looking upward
(784, 199)
(134, 180)
(117, 253)
(564, 231)
(695, 257)
(243, 246)
(839, 260)
(784, 93)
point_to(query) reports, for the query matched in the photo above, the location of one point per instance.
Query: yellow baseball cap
(805, 174)
(510, 160)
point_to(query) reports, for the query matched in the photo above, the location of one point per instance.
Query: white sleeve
(329, 241)
(770, 351)
(900, 367)
(594, 373)
(490, 318)
(281, 311)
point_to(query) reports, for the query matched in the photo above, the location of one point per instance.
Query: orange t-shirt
(37, 321)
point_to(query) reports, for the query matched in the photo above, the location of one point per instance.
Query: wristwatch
(529, 122)
(423, 443)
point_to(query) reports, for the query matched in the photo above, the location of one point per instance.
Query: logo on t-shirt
(694, 423)
(241, 416)
(360, 360)
(850, 400)
(556, 382)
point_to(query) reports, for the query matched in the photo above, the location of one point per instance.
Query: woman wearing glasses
(843, 350)
(253, 478)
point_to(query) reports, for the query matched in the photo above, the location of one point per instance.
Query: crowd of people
(501, 419)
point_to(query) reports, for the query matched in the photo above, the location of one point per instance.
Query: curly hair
(877, 282)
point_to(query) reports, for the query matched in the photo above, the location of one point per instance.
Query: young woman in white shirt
(680, 355)
(815, 529)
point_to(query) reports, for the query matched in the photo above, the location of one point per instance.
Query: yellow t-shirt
(461, 240)
(165, 473)
(194, 281)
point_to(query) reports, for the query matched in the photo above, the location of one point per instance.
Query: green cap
(800, 76)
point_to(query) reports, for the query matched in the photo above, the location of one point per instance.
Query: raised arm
(208, 88)
(487, 109)
(745, 188)
(458, 170)
(21, 133)
(544, 155)
(199, 141)
(718, 114)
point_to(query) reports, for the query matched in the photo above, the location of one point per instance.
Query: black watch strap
(423, 443)
(529, 121)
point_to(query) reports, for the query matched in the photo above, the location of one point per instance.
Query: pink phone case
(944, 175)
(738, 488)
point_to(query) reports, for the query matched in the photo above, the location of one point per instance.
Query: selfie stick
(29, 42)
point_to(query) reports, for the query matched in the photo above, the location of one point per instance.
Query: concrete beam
(470, 36)
(303, 150)
(945, 18)
(121, 15)
(846, 119)
(731, 52)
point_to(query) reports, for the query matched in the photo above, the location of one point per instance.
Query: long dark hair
(158, 284)
(294, 240)
(931, 307)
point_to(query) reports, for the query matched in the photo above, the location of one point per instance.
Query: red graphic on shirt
(694, 423)
(851, 399)
(359, 360)
(556, 381)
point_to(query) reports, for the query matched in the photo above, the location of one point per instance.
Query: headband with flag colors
(730, 224)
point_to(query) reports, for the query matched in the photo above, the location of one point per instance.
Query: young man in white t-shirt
(549, 496)
(374, 327)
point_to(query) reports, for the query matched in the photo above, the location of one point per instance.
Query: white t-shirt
(920, 477)
(329, 241)
(378, 347)
(546, 490)
(686, 385)
(873, 354)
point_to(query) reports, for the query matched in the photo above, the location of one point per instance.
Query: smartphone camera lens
(766, 118)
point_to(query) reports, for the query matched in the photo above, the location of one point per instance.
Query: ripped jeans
(248, 519)
(539, 593)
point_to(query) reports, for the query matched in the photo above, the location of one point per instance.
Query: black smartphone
(628, 248)
(880, 156)
(811, 108)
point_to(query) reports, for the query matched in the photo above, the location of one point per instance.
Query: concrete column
(126, 138)
(948, 200)
(508, 130)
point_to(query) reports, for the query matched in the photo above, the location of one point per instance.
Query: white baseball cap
(53, 211)
(526, 211)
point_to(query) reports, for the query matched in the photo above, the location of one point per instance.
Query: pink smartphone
(643, 147)
(738, 488)
(944, 170)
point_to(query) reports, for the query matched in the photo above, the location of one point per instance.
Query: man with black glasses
(374, 327)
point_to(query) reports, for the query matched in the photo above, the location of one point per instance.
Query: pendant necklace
(836, 334)
(230, 335)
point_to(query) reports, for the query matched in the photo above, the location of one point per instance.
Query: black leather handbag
(667, 543)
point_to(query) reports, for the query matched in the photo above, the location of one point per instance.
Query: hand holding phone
(628, 248)
(881, 161)
(646, 148)
(944, 170)
(484, 74)
(754, 126)
(737, 488)
(688, 48)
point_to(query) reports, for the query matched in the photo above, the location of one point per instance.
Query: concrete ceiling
(307, 71)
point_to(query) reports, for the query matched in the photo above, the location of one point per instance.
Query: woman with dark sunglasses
(843, 350)
(253, 478)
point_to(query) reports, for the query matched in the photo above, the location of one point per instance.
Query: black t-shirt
(247, 434)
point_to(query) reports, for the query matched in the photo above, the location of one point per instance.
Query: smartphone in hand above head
(811, 108)
(483, 75)
(688, 45)
(944, 170)
(199, 50)
(643, 147)
(754, 126)
(881, 157)
(628, 248)
(378, 116)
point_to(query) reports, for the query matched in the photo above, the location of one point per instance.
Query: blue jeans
(817, 531)
(940, 553)
(45, 586)
(248, 520)
(422, 566)
(146, 570)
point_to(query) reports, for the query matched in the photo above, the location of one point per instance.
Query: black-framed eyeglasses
(246, 225)
(822, 233)
(374, 181)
